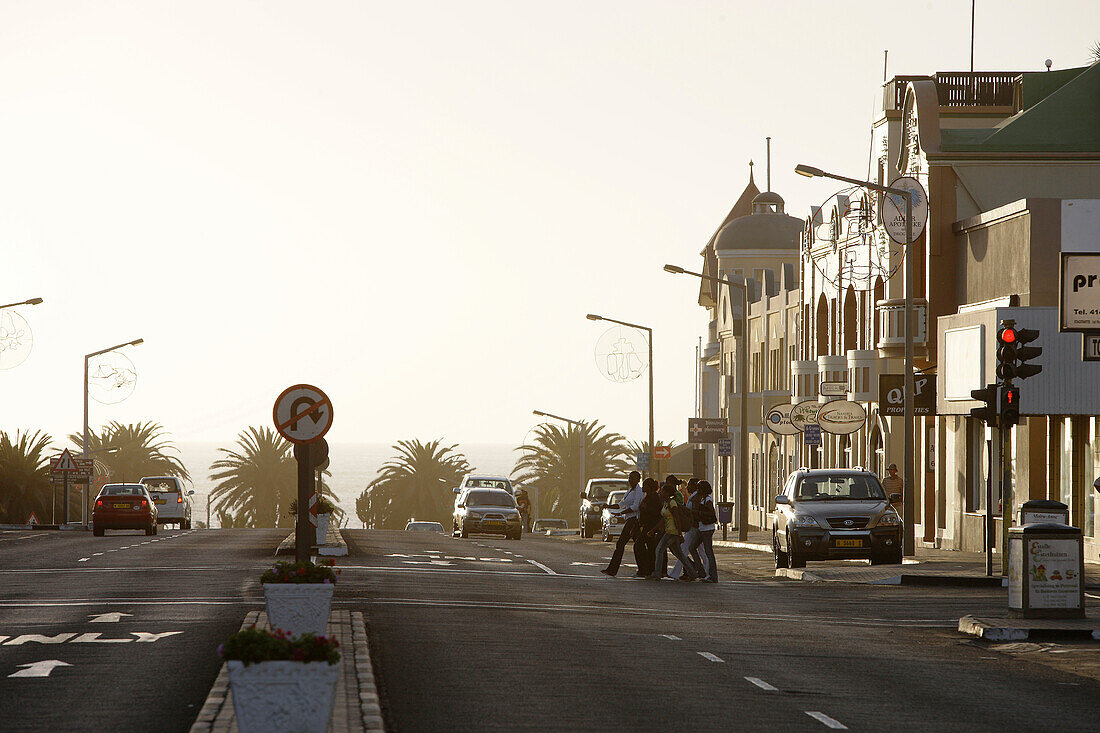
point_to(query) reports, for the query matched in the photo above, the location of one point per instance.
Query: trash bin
(725, 512)
(1044, 511)
(1046, 566)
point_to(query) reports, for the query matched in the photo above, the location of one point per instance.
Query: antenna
(885, 55)
(769, 162)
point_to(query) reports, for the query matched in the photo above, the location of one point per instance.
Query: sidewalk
(335, 546)
(355, 707)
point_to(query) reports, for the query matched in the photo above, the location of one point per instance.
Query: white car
(415, 526)
(172, 500)
(611, 525)
(481, 481)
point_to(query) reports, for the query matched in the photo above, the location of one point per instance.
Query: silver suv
(487, 511)
(835, 513)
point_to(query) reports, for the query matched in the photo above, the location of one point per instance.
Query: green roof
(1064, 117)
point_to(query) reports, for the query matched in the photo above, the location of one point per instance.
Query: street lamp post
(32, 301)
(84, 448)
(908, 538)
(584, 443)
(647, 329)
(743, 388)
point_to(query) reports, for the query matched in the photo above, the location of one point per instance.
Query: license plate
(161, 501)
(494, 524)
(849, 543)
(121, 506)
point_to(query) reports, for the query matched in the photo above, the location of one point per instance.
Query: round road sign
(892, 210)
(302, 413)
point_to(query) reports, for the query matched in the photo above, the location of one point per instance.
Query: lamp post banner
(892, 211)
(804, 413)
(707, 429)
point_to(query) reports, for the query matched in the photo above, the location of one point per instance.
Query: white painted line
(762, 684)
(39, 669)
(108, 618)
(96, 554)
(710, 657)
(671, 637)
(519, 555)
(826, 720)
(1090, 595)
(540, 565)
(83, 559)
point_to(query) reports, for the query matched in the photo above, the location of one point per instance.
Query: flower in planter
(253, 645)
(324, 506)
(301, 572)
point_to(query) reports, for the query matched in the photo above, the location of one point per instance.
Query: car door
(783, 511)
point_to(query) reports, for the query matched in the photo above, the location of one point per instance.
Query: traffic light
(1010, 406)
(1006, 352)
(988, 413)
(1023, 353)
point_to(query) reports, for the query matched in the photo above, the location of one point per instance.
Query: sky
(413, 205)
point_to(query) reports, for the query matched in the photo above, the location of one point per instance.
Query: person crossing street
(628, 508)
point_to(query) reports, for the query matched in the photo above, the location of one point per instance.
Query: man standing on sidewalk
(893, 484)
(628, 508)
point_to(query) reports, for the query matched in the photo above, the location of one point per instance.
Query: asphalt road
(181, 594)
(492, 634)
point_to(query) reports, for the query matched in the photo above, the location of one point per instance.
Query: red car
(124, 506)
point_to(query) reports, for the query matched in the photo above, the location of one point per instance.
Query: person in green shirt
(670, 537)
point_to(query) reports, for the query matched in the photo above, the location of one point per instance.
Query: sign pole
(65, 479)
(302, 541)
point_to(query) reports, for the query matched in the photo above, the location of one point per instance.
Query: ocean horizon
(352, 465)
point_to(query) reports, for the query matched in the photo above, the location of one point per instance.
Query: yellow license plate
(161, 501)
(849, 543)
(122, 506)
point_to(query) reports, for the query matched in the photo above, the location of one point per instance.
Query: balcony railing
(964, 89)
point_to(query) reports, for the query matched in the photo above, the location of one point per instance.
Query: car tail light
(179, 499)
(145, 502)
(99, 502)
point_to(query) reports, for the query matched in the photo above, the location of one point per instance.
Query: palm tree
(551, 462)
(25, 477)
(258, 481)
(415, 483)
(133, 451)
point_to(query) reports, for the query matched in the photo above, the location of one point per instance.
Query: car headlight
(889, 519)
(804, 520)
(473, 515)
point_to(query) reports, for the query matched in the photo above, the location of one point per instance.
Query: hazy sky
(413, 205)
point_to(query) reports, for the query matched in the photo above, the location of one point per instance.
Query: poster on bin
(1054, 565)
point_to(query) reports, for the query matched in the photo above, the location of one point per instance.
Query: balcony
(957, 89)
(891, 320)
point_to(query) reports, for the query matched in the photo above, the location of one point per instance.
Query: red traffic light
(1007, 335)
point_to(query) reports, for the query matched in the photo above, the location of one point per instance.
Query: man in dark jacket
(649, 515)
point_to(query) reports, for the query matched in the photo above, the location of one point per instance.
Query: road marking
(762, 684)
(93, 638)
(83, 559)
(826, 720)
(39, 638)
(144, 636)
(710, 657)
(25, 537)
(108, 618)
(590, 564)
(672, 637)
(1090, 595)
(538, 564)
(96, 554)
(39, 669)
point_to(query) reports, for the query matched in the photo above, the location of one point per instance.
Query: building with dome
(757, 244)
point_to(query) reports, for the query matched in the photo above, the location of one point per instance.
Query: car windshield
(839, 487)
(615, 497)
(488, 483)
(121, 491)
(490, 498)
(160, 484)
(425, 527)
(599, 492)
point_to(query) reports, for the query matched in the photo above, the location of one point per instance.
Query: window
(490, 498)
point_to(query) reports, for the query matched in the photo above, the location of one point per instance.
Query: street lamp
(84, 447)
(32, 301)
(594, 317)
(743, 388)
(908, 500)
(584, 443)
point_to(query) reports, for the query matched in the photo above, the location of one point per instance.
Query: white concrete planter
(298, 608)
(283, 696)
(322, 528)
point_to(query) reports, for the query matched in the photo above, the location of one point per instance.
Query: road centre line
(538, 564)
(762, 684)
(672, 637)
(826, 720)
(710, 657)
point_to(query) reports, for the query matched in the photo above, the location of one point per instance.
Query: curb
(1023, 629)
(335, 547)
(370, 707)
(754, 546)
(965, 581)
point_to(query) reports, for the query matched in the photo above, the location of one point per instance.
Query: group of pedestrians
(663, 518)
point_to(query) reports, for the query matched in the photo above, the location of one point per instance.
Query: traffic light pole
(908, 540)
(1006, 494)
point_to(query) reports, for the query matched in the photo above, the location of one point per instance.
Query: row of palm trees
(417, 481)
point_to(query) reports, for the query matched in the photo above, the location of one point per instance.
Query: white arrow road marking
(147, 637)
(540, 565)
(108, 618)
(826, 720)
(40, 669)
(671, 637)
(762, 684)
(710, 657)
(39, 638)
(93, 638)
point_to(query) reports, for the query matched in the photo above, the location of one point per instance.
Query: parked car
(835, 513)
(611, 524)
(487, 511)
(594, 499)
(172, 500)
(541, 525)
(415, 526)
(124, 506)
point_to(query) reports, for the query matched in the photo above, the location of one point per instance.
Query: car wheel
(794, 559)
(894, 558)
(97, 531)
(462, 532)
(781, 558)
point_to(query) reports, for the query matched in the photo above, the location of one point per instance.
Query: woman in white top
(703, 509)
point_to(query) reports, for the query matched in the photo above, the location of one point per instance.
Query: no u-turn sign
(302, 413)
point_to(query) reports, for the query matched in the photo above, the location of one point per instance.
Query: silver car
(487, 511)
(611, 525)
(835, 513)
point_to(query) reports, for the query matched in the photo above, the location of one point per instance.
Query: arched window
(850, 335)
(822, 326)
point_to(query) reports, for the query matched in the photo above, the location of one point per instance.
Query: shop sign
(841, 418)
